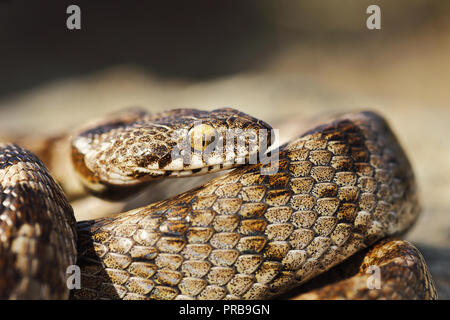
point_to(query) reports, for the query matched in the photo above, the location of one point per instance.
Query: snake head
(127, 150)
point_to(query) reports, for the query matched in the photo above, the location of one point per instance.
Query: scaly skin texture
(125, 150)
(338, 189)
(402, 274)
(37, 229)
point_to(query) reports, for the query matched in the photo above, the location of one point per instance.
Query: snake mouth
(122, 187)
(155, 174)
(178, 169)
(118, 186)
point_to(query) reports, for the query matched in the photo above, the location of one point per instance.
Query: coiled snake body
(337, 196)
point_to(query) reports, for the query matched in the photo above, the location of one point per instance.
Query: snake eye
(202, 135)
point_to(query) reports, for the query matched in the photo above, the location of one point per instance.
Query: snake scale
(339, 197)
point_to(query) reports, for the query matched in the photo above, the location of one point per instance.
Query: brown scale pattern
(37, 229)
(403, 275)
(115, 150)
(338, 189)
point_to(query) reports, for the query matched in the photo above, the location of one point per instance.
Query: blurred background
(282, 61)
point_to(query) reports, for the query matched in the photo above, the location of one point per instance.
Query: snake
(322, 217)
